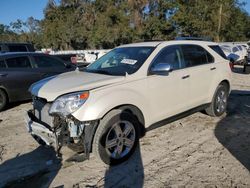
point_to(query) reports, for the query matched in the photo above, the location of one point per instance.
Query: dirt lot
(196, 151)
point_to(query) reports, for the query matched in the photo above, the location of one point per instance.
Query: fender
(101, 101)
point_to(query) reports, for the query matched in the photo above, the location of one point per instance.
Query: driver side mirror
(161, 69)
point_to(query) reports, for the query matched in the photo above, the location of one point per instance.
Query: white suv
(108, 106)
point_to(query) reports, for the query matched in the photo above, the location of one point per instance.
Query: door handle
(3, 74)
(213, 68)
(186, 76)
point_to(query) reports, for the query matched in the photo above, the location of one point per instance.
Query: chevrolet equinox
(107, 107)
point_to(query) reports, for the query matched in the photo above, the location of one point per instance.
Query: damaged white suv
(108, 106)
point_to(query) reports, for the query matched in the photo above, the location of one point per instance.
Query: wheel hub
(120, 139)
(221, 102)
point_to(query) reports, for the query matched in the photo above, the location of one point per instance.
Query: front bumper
(39, 131)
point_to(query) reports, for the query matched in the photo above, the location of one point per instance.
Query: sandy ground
(196, 151)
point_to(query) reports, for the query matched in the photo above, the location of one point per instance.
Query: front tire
(116, 137)
(219, 103)
(3, 100)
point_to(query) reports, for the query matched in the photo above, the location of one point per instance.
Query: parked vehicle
(235, 53)
(19, 70)
(16, 47)
(246, 68)
(90, 57)
(242, 53)
(107, 107)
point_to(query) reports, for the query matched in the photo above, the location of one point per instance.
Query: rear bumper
(39, 131)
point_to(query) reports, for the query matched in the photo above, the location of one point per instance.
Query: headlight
(69, 103)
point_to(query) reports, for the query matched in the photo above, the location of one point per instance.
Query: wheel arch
(134, 110)
(226, 83)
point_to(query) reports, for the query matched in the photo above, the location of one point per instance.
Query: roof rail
(194, 38)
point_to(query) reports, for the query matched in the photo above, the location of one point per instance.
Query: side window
(170, 55)
(18, 62)
(46, 62)
(17, 48)
(240, 47)
(2, 64)
(218, 50)
(195, 55)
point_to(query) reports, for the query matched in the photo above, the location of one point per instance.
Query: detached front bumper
(41, 133)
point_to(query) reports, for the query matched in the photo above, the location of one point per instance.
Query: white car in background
(90, 57)
(235, 53)
(242, 51)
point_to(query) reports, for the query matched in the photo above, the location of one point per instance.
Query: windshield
(121, 61)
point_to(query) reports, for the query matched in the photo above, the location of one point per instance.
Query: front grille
(41, 110)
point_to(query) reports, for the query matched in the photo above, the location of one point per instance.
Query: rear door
(18, 76)
(202, 70)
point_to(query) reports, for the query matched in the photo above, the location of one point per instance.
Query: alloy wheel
(221, 101)
(120, 139)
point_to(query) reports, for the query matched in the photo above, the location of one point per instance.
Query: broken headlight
(67, 104)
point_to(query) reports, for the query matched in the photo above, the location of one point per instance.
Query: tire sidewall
(3, 95)
(219, 89)
(104, 127)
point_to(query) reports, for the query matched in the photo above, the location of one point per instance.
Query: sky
(11, 10)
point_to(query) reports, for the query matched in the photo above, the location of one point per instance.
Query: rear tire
(3, 100)
(116, 137)
(219, 103)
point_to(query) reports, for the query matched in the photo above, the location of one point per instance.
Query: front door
(168, 93)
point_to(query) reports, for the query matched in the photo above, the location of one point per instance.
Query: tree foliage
(81, 24)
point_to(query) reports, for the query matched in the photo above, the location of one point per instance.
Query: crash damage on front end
(55, 99)
(57, 130)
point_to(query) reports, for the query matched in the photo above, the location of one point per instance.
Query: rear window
(218, 50)
(2, 64)
(17, 48)
(18, 62)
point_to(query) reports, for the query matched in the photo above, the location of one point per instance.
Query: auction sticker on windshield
(129, 61)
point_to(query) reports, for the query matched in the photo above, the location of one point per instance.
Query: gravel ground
(196, 151)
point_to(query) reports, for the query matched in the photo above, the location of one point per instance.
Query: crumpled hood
(52, 87)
